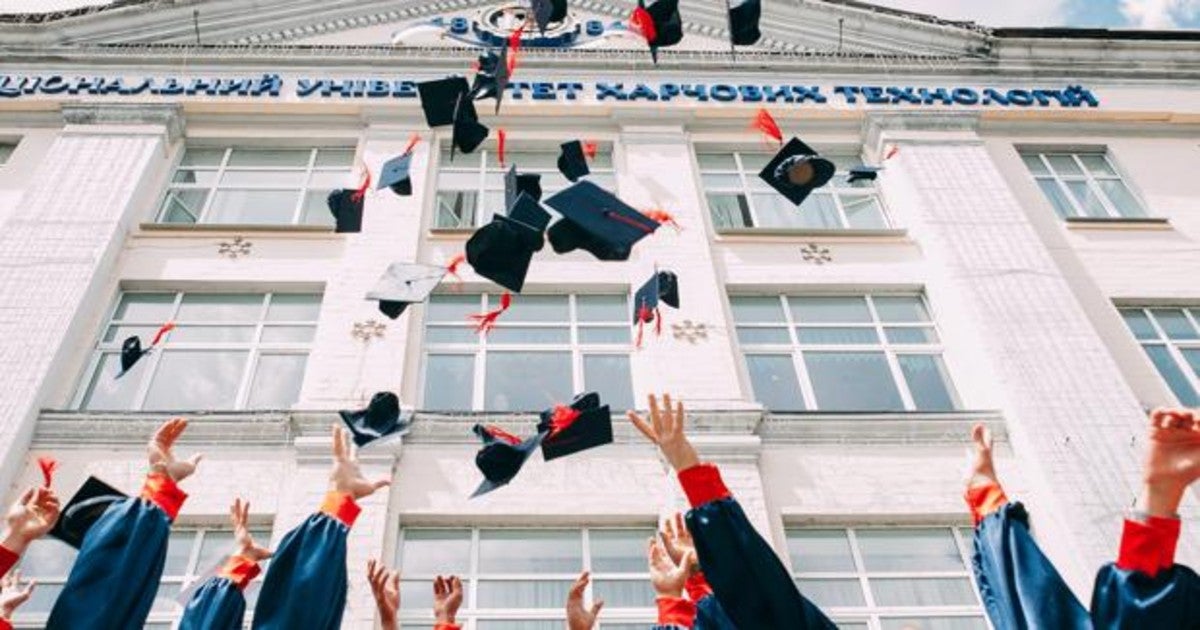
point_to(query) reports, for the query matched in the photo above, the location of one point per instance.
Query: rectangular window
(471, 188)
(843, 353)
(255, 186)
(738, 198)
(228, 351)
(890, 578)
(1083, 185)
(191, 553)
(6, 151)
(543, 351)
(1171, 338)
(519, 578)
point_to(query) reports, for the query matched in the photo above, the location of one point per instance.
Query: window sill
(738, 234)
(1117, 223)
(451, 233)
(190, 228)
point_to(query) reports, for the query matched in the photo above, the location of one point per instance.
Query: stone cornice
(169, 116)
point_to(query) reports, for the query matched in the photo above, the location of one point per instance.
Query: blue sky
(1160, 14)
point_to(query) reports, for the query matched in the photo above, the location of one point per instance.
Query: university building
(1027, 259)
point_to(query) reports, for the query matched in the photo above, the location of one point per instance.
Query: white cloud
(1159, 13)
(1006, 13)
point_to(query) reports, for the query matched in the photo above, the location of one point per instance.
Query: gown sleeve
(709, 614)
(305, 586)
(1144, 588)
(675, 613)
(1019, 586)
(115, 576)
(219, 603)
(749, 581)
(8, 558)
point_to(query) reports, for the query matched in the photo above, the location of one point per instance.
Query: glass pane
(179, 552)
(606, 335)
(753, 336)
(277, 381)
(288, 334)
(928, 381)
(527, 381)
(852, 381)
(1173, 375)
(505, 334)
(863, 212)
(923, 592)
(455, 209)
(41, 602)
(755, 162)
(294, 307)
(716, 161)
(901, 309)
(335, 158)
(202, 157)
(1034, 162)
(609, 374)
(1087, 199)
(1139, 323)
(530, 551)
(518, 624)
(450, 334)
(187, 176)
(164, 599)
(316, 209)
(213, 334)
(1064, 165)
(220, 307)
(260, 207)
(912, 334)
(153, 308)
(1174, 323)
(602, 308)
(418, 595)
(1054, 194)
(819, 212)
(47, 558)
(619, 550)
(120, 333)
(255, 179)
(330, 180)
(448, 379)
(773, 378)
(1097, 165)
(625, 593)
(529, 160)
(522, 594)
(189, 380)
(715, 181)
(819, 550)
(270, 157)
(106, 391)
(183, 206)
(535, 308)
(837, 335)
(435, 552)
(452, 308)
(729, 211)
(1121, 199)
(754, 310)
(935, 623)
(909, 550)
(832, 593)
(217, 545)
(832, 310)
(773, 210)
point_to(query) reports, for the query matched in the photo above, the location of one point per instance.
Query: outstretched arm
(12, 595)
(677, 541)
(385, 586)
(447, 597)
(580, 617)
(219, 603)
(29, 518)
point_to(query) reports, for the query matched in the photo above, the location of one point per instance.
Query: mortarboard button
(597, 221)
(582, 425)
(797, 170)
(863, 172)
(516, 183)
(381, 419)
(572, 162)
(529, 212)
(346, 206)
(501, 457)
(439, 99)
(502, 250)
(395, 175)
(403, 284)
(86, 507)
(743, 21)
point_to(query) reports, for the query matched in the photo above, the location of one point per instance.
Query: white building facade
(1027, 259)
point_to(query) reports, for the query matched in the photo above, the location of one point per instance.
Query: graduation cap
(516, 183)
(439, 99)
(132, 351)
(547, 11)
(468, 132)
(83, 510)
(797, 170)
(572, 160)
(597, 221)
(743, 21)
(529, 212)
(492, 79)
(659, 21)
(501, 457)
(663, 287)
(381, 418)
(584, 424)
(346, 206)
(502, 250)
(403, 284)
(395, 175)
(862, 172)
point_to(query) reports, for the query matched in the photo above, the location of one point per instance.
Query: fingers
(668, 416)
(439, 587)
(339, 446)
(27, 498)
(596, 608)
(455, 585)
(689, 559)
(373, 572)
(395, 582)
(655, 416)
(580, 584)
(679, 416)
(382, 483)
(1167, 418)
(982, 437)
(195, 460)
(681, 527)
(168, 432)
(641, 425)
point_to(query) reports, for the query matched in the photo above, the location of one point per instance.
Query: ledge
(191, 228)
(951, 427)
(751, 234)
(451, 233)
(1118, 223)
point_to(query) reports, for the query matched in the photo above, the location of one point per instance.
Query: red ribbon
(645, 314)
(412, 143)
(514, 44)
(590, 147)
(764, 122)
(362, 189)
(501, 140)
(641, 22)
(609, 214)
(48, 466)
(664, 217)
(563, 417)
(452, 266)
(501, 434)
(166, 328)
(485, 322)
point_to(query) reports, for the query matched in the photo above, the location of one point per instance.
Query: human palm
(13, 594)
(162, 458)
(1173, 458)
(346, 475)
(33, 515)
(239, 515)
(579, 616)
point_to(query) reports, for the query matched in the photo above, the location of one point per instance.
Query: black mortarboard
(131, 353)
(516, 183)
(83, 510)
(743, 21)
(668, 24)
(529, 212)
(394, 174)
(403, 284)
(439, 98)
(663, 286)
(381, 418)
(468, 132)
(862, 172)
(346, 206)
(570, 429)
(596, 221)
(547, 11)
(572, 162)
(500, 459)
(492, 78)
(797, 170)
(502, 250)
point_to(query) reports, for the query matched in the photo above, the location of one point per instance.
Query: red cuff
(697, 587)
(8, 558)
(676, 611)
(341, 505)
(984, 500)
(702, 484)
(447, 626)
(162, 490)
(240, 570)
(1148, 547)
(5, 624)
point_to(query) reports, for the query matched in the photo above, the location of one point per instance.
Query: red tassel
(631, 222)
(514, 45)
(166, 328)
(362, 189)
(501, 140)
(412, 143)
(641, 23)
(664, 217)
(764, 122)
(657, 322)
(501, 434)
(644, 315)
(452, 266)
(562, 418)
(890, 152)
(485, 322)
(589, 148)
(48, 466)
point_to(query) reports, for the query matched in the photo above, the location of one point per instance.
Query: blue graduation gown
(305, 586)
(710, 615)
(217, 605)
(1131, 600)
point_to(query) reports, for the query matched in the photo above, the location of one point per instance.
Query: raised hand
(385, 586)
(665, 430)
(239, 515)
(1172, 460)
(30, 518)
(667, 576)
(159, 452)
(346, 475)
(981, 471)
(677, 541)
(12, 594)
(447, 597)
(579, 617)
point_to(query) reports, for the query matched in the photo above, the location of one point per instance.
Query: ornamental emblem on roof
(493, 25)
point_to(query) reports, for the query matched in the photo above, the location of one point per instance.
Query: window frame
(1174, 347)
(1088, 177)
(8, 148)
